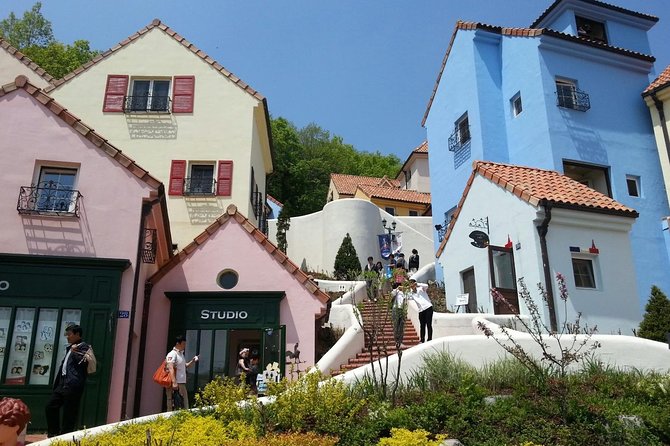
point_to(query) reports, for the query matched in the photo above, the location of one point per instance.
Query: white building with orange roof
(516, 222)
(199, 128)
(415, 173)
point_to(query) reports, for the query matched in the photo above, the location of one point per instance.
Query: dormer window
(591, 29)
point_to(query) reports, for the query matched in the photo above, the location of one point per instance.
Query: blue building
(562, 94)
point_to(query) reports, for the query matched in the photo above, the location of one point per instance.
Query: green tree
(31, 30)
(656, 321)
(305, 158)
(283, 224)
(32, 34)
(347, 265)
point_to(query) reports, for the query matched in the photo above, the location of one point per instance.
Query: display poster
(40, 368)
(19, 347)
(5, 316)
(69, 317)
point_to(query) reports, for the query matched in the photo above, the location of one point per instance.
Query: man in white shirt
(177, 365)
(417, 293)
(398, 312)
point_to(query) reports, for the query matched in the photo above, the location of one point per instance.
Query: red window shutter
(182, 94)
(224, 180)
(177, 175)
(115, 93)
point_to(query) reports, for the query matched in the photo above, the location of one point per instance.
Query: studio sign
(223, 315)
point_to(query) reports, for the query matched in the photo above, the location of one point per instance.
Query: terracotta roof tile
(156, 23)
(84, 130)
(233, 214)
(523, 32)
(25, 60)
(423, 148)
(662, 81)
(397, 194)
(599, 3)
(535, 185)
(347, 184)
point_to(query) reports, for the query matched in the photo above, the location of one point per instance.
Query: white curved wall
(313, 240)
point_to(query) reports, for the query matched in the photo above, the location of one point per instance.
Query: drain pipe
(146, 210)
(139, 378)
(664, 125)
(542, 230)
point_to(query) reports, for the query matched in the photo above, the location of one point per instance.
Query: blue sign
(124, 314)
(384, 245)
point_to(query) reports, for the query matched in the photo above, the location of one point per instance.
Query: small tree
(656, 322)
(283, 224)
(347, 265)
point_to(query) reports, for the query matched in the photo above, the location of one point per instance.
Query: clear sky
(362, 69)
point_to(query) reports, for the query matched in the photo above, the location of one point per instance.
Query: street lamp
(390, 228)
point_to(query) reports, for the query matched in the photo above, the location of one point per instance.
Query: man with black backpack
(69, 384)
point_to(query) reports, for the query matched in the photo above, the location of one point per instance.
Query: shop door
(274, 340)
(503, 279)
(468, 279)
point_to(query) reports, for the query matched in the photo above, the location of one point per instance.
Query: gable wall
(11, 67)
(221, 126)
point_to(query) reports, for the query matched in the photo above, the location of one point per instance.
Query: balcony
(147, 104)
(459, 139)
(572, 98)
(48, 198)
(199, 186)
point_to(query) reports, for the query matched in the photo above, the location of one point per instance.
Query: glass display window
(69, 317)
(19, 347)
(41, 366)
(5, 317)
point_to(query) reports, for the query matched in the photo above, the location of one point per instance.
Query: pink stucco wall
(230, 247)
(110, 207)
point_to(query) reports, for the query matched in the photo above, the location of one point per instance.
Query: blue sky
(362, 69)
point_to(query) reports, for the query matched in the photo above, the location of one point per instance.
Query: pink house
(82, 228)
(228, 289)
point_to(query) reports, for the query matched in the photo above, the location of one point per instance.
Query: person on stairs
(417, 293)
(398, 312)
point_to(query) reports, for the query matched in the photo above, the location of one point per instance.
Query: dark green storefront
(218, 323)
(39, 297)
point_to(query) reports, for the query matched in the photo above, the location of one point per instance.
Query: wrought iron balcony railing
(573, 98)
(147, 104)
(199, 186)
(48, 198)
(459, 138)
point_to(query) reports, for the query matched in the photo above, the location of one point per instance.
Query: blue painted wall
(483, 73)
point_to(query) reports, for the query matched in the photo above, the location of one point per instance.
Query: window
(413, 213)
(149, 95)
(408, 176)
(201, 180)
(582, 269)
(228, 279)
(52, 193)
(569, 96)
(595, 177)
(633, 185)
(390, 210)
(461, 135)
(591, 29)
(517, 107)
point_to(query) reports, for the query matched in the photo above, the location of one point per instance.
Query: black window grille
(48, 198)
(147, 104)
(149, 250)
(569, 96)
(461, 135)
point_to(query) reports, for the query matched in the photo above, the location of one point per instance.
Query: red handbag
(162, 376)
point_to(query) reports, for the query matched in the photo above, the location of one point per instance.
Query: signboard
(463, 299)
(124, 314)
(479, 239)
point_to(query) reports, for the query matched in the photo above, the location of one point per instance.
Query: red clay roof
(347, 184)
(598, 3)
(535, 186)
(83, 129)
(156, 23)
(523, 32)
(396, 194)
(25, 60)
(258, 236)
(423, 148)
(660, 82)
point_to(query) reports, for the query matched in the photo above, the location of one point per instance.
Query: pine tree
(656, 322)
(347, 265)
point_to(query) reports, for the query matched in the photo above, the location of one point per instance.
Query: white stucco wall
(313, 240)
(612, 306)
(223, 126)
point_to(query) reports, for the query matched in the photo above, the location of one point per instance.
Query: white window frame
(63, 167)
(593, 261)
(151, 81)
(636, 180)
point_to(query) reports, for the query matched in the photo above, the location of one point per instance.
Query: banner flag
(384, 245)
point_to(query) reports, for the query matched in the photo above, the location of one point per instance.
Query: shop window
(633, 185)
(28, 341)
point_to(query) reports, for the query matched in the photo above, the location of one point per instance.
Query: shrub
(656, 322)
(347, 265)
(404, 437)
(223, 394)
